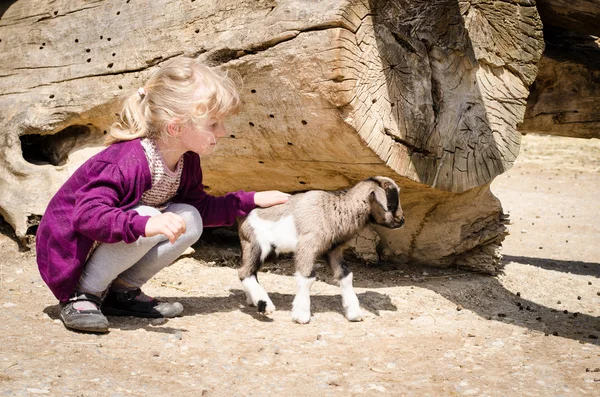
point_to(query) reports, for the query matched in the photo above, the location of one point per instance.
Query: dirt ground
(532, 331)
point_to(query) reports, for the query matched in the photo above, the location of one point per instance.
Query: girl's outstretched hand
(168, 223)
(270, 197)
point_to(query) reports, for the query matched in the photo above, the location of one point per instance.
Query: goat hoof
(355, 315)
(301, 317)
(265, 307)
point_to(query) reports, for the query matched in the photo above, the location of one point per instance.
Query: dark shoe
(136, 303)
(88, 320)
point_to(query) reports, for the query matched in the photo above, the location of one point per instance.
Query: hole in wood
(304, 122)
(33, 221)
(87, 50)
(120, 87)
(108, 38)
(251, 124)
(55, 12)
(261, 162)
(290, 144)
(253, 91)
(272, 116)
(114, 53)
(197, 30)
(51, 96)
(89, 60)
(302, 182)
(118, 12)
(54, 149)
(110, 65)
(77, 40)
(232, 136)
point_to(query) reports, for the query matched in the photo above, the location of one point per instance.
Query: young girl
(135, 207)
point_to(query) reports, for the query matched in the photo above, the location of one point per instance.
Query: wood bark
(428, 93)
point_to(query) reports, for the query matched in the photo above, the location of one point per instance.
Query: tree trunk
(428, 93)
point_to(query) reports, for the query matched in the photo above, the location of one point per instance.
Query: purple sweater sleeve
(215, 211)
(97, 214)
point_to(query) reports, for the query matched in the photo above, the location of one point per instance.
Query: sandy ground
(532, 331)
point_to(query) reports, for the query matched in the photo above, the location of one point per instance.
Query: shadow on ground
(481, 294)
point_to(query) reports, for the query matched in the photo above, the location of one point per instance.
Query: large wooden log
(429, 93)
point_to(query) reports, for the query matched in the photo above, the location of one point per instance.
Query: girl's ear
(174, 129)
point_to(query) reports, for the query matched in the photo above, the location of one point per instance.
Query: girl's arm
(221, 211)
(97, 214)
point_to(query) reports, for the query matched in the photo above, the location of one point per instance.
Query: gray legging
(138, 262)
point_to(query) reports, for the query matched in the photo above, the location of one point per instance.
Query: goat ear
(378, 194)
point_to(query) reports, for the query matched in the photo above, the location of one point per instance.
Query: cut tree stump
(428, 93)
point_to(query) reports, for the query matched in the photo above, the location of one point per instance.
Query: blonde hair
(183, 90)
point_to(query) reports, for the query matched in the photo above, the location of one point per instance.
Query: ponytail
(133, 121)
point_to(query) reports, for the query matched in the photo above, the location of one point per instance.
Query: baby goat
(315, 224)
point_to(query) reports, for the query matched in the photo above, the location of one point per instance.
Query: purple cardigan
(95, 204)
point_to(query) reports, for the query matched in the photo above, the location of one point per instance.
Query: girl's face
(202, 139)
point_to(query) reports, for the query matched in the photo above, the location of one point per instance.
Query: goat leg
(255, 293)
(305, 277)
(343, 274)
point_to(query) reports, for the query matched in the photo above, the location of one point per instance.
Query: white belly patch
(280, 235)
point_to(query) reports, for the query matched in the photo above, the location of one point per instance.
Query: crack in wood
(151, 63)
(224, 55)
(408, 145)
